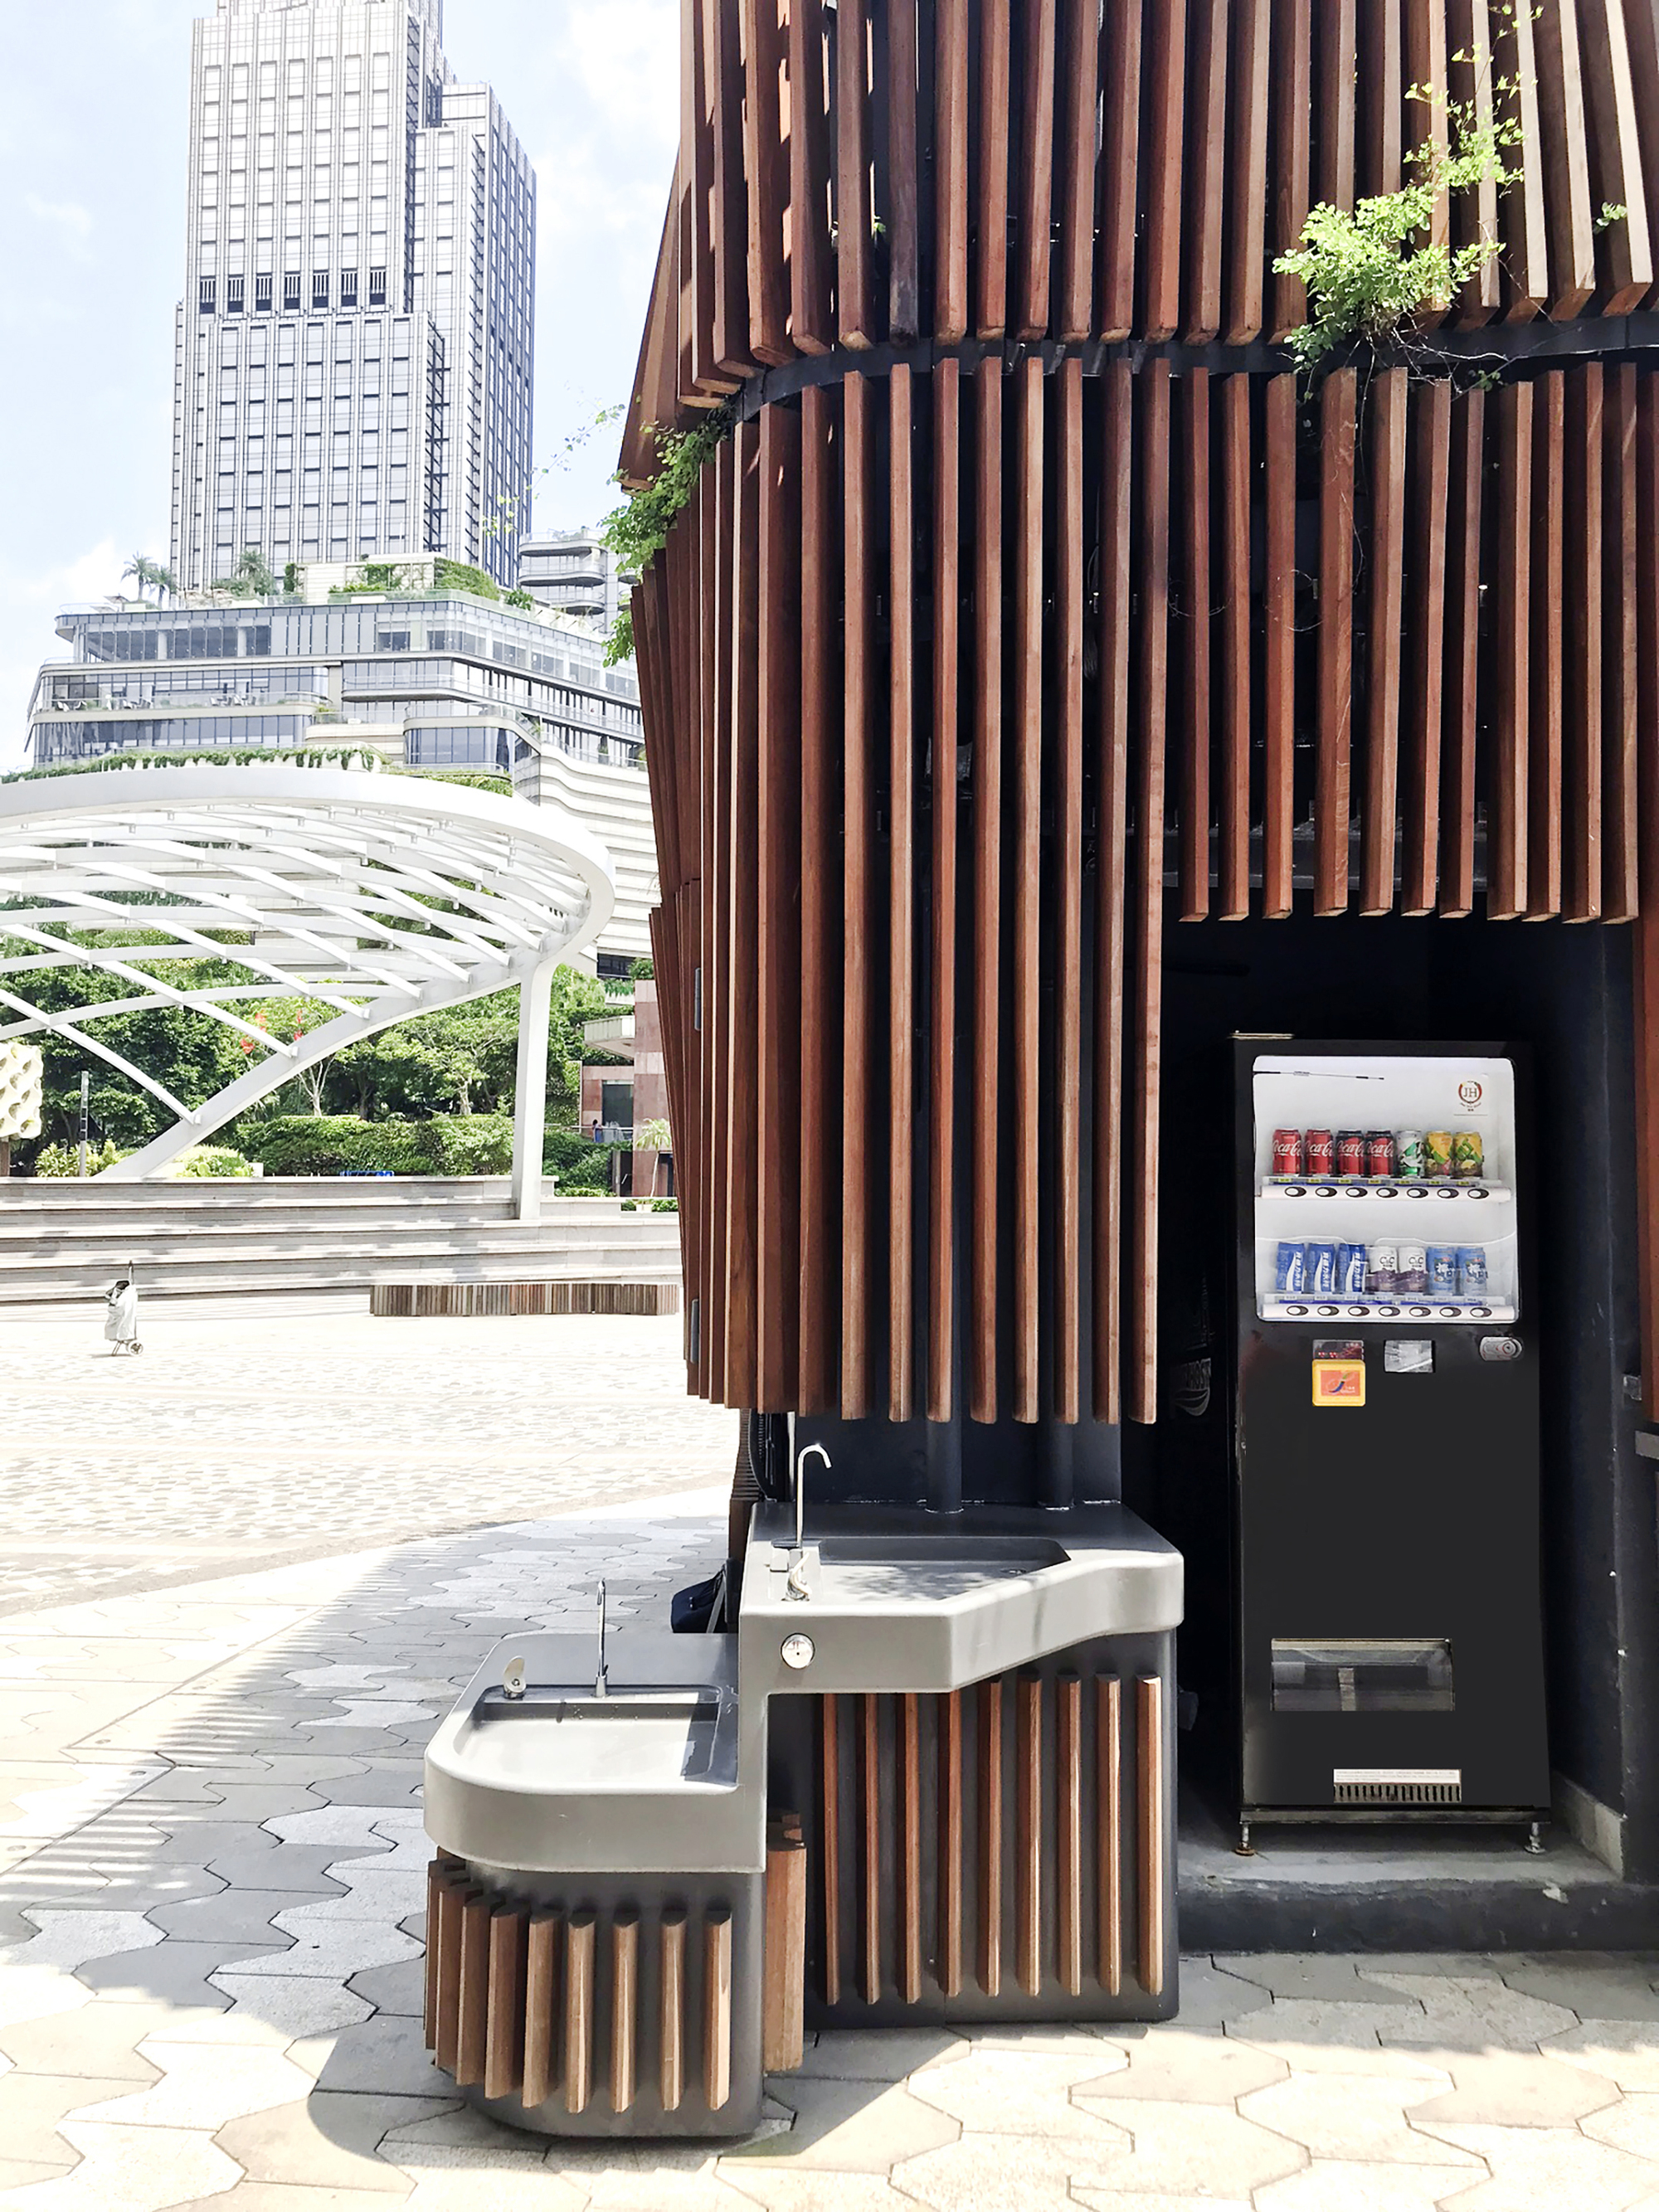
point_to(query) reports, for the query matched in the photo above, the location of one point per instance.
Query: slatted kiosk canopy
(1034, 605)
(381, 897)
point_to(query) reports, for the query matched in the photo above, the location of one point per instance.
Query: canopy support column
(530, 1101)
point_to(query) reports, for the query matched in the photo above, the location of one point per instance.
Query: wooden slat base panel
(515, 1994)
(1046, 1793)
(410, 1301)
(1004, 674)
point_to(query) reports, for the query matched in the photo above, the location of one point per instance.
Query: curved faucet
(795, 1581)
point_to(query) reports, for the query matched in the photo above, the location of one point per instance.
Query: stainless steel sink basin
(647, 1739)
(874, 1570)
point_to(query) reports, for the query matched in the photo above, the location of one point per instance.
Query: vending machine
(1386, 1455)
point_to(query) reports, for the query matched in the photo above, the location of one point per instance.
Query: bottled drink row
(1440, 1273)
(1377, 1156)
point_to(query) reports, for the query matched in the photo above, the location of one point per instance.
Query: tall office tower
(354, 351)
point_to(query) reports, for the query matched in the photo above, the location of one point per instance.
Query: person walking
(121, 1317)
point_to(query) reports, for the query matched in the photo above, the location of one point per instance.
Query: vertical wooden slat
(901, 212)
(452, 1897)
(951, 1840)
(1207, 166)
(1333, 766)
(1027, 740)
(1620, 717)
(580, 1940)
(1470, 69)
(942, 1080)
(1428, 123)
(1545, 708)
(1291, 115)
(1464, 475)
(1108, 1833)
(743, 1135)
(1506, 801)
(1388, 559)
(830, 1848)
(1247, 175)
(1338, 25)
(991, 211)
(812, 324)
(765, 166)
(783, 2033)
(1522, 221)
(990, 1838)
(902, 898)
(1424, 672)
(718, 867)
(1645, 980)
(1278, 651)
(1379, 86)
(870, 1846)
(1033, 217)
(1233, 808)
(1571, 221)
(717, 2008)
(730, 206)
(909, 1948)
(1581, 859)
(1194, 653)
(1119, 161)
(1166, 83)
(473, 2032)
(778, 915)
(1111, 912)
(1625, 251)
(1148, 1830)
(858, 686)
(670, 2012)
(855, 322)
(820, 900)
(1147, 896)
(1068, 1832)
(950, 51)
(541, 1998)
(624, 2008)
(987, 882)
(1641, 40)
(1067, 1136)
(504, 2067)
(1028, 1822)
(437, 1879)
(1080, 89)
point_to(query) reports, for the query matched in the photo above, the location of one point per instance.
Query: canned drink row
(1379, 1155)
(1381, 1271)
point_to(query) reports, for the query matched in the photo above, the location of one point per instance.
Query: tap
(795, 1582)
(599, 1690)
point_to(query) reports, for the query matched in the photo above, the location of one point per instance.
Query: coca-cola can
(1351, 1155)
(1319, 1150)
(1379, 1154)
(1287, 1152)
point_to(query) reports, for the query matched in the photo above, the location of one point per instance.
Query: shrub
(522, 599)
(460, 576)
(61, 1162)
(326, 1144)
(630, 1205)
(664, 1206)
(467, 1144)
(208, 1160)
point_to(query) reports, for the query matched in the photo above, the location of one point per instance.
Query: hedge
(449, 1143)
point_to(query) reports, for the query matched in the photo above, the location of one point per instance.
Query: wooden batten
(784, 1981)
(670, 2012)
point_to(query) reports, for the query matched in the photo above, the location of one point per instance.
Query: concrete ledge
(403, 1301)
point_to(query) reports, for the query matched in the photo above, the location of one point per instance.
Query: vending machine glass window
(1386, 1436)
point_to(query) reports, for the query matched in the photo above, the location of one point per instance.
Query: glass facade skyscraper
(354, 350)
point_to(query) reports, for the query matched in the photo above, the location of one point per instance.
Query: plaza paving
(212, 1865)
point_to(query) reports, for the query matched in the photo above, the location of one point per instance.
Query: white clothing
(121, 1322)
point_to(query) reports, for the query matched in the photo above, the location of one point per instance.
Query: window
(291, 292)
(234, 295)
(347, 288)
(206, 288)
(262, 295)
(377, 288)
(319, 289)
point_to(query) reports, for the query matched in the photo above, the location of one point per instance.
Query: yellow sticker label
(1339, 1382)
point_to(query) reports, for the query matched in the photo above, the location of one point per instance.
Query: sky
(92, 229)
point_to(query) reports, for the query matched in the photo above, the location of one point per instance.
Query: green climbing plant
(638, 528)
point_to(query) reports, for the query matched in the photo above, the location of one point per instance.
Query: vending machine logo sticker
(1339, 1373)
(1469, 1091)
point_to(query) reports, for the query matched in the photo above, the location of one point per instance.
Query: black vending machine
(1390, 1660)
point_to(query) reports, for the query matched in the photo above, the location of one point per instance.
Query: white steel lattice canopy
(328, 877)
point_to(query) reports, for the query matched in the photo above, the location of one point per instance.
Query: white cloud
(67, 215)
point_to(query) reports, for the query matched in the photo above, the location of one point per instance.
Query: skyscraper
(354, 351)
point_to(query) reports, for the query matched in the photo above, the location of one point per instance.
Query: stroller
(121, 1313)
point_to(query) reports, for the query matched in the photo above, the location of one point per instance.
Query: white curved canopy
(329, 877)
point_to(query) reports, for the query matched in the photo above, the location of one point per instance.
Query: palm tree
(143, 570)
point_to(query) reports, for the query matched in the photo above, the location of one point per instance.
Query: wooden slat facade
(986, 654)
